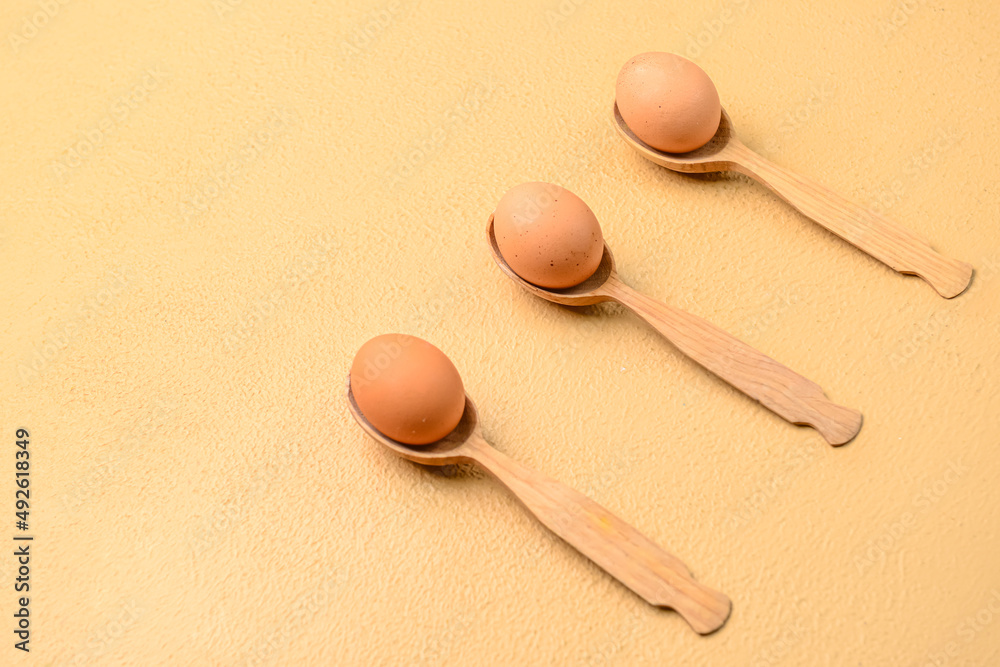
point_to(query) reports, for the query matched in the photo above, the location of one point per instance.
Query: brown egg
(407, 388)
(548, 235)
(668, 102)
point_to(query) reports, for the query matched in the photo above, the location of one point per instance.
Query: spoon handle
(660, 578)
(883, 239)
(793, 397)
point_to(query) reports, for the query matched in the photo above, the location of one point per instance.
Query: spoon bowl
(446, 451)
(651, 572)
(713, 156)
(586, 293)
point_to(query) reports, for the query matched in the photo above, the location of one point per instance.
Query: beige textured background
(207, 206)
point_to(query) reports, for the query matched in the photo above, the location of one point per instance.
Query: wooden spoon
(883, 239)
(791, 396)
(656, 576)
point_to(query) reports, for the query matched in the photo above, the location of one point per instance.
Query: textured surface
(268, 185)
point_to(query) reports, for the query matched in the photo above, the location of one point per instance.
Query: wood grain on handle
(883, 239)
(623, 552)
(793, 397)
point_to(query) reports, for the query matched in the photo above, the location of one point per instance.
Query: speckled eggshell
(548, 235)
(668, 102)
(407, 388)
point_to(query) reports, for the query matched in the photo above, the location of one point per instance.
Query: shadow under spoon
(658, 577)
(789, 395)
(890, 243)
